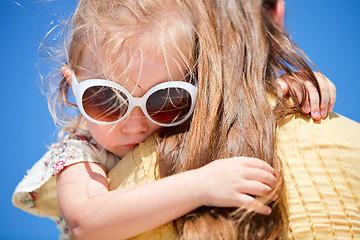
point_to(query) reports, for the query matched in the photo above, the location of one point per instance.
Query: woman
(240, 51)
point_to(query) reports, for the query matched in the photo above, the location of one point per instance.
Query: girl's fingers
(257, 163)
(332, 90)
(325, 93)
(261, 176)
(306, 107)
(288, 84)
(283, 85)
(318, 108)
(247, 202)
(314, 100)
(255, 188)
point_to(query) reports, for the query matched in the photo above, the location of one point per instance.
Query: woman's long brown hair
(240, 51)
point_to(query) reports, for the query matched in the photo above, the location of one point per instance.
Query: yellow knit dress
(322, 176)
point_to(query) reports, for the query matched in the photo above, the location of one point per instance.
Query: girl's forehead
(137, 72)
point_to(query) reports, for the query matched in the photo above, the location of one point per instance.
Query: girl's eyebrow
(124, 80)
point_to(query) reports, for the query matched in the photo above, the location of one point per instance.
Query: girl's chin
(131, 145)
(121, 151)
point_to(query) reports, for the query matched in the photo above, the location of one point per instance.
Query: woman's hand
(319, 109)
(234, 182)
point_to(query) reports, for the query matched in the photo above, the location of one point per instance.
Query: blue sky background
(327, 30)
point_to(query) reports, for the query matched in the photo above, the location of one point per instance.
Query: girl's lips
(131, 145)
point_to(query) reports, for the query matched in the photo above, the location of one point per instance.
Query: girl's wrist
(197, 181)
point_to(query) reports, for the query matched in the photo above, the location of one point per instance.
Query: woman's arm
(93, 212)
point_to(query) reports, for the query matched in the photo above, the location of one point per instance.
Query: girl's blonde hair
(235, 50)
(115, 31)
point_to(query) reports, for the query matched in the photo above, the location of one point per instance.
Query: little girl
(130, 67)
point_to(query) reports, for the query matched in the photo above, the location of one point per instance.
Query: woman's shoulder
(137, 167)
(335, 127)
(322, 175)
(332, 117)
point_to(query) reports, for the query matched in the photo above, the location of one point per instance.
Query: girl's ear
(66, 72)
(278, 12)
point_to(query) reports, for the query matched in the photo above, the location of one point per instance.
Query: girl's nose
(135, 123)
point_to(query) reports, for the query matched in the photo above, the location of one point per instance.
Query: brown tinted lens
(104, 104)
(169, 105)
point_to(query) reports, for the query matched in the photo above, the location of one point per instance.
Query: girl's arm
(319, 108)
(93, 212)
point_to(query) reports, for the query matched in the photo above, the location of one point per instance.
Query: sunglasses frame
(78, 89)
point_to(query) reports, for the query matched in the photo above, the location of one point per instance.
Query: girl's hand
(234, 181)
(312, 104)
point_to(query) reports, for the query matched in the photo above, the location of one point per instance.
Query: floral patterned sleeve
(36, 193)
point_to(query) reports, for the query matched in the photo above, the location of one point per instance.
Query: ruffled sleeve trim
(36, 193)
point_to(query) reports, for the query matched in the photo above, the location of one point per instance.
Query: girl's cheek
(97, 131)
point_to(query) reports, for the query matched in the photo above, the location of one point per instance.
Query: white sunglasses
(105, 102)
